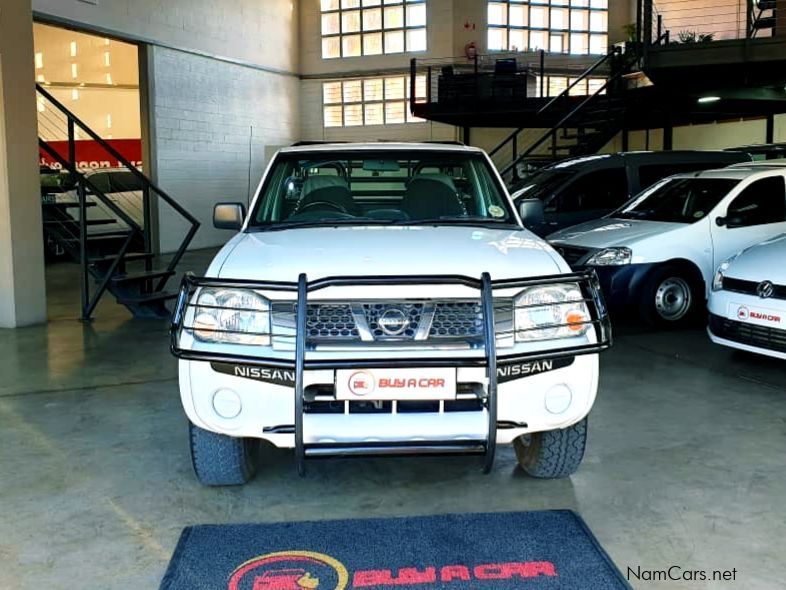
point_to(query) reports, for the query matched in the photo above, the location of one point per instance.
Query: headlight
(236, 316)
(717, 280)
(550, 312)
(611, 257)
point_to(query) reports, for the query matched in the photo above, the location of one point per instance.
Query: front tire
(669, 298)
(554, 453)
(221, 460)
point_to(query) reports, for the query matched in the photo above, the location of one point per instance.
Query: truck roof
(379, 146)
(739, 171)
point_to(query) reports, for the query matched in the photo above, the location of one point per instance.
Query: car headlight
(717, 280)
(550, 312)
(611, 257)
(236, 316)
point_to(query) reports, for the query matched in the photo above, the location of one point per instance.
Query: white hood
(385, 250)
(610, 231)
(761, 262)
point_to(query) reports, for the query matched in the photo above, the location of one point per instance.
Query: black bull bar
(587, 281)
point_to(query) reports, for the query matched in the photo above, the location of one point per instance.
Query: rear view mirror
(228, 216)
(531, 211)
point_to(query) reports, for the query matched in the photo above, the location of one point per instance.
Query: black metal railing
(132, 210)
(198, 348)
(489, 78)
(689, 23)
(556, 103)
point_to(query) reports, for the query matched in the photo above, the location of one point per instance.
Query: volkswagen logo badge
(765, 289)
(393, 322)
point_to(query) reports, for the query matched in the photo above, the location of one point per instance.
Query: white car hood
(610, 231)
(762, 262)
(384, 250)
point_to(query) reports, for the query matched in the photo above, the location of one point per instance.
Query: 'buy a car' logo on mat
(299, 570)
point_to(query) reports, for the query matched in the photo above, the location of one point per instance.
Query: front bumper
(748, 323)
(300, 389)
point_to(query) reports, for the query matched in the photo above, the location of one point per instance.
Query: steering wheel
(336, 206)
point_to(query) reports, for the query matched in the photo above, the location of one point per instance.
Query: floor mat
(499, 551)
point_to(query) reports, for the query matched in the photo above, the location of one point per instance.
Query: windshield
(543, 184)
(678, 200)
(380, 187)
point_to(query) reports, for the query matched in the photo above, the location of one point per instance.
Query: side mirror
(531, 211)
(730, 221)
(228, 216)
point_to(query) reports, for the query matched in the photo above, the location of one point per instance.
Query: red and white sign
(396, 384)
(757, 315)
(92, 155)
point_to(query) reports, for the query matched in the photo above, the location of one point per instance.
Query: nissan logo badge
(393, 322)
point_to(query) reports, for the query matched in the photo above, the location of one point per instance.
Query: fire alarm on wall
(468, 26)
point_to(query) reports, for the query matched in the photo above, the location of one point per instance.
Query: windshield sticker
(496, 211)
(698, 214)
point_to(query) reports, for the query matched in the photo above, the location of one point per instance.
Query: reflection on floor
(685, 466)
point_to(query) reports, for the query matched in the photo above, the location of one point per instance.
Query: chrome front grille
(457, 319)
(388, 321)
(330, 322)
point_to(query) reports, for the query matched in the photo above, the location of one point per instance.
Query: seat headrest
(312, 183)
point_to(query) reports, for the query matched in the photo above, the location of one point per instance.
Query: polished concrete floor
(686, 462)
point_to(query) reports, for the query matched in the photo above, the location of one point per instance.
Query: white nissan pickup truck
(385, 299)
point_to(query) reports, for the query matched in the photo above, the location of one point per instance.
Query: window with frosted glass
(351, 28)
(557, 26)
(370, 101)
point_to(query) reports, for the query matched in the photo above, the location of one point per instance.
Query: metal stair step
(105, 236)
(142, 276)
(68, 205)
(76, 221)
(130, 257)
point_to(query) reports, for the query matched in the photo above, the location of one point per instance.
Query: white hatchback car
(659, 252)
(748, 300)
(385, 299)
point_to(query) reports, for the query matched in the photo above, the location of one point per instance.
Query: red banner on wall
(91, 154)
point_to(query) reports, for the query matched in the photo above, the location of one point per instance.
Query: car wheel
(221, 460)
(669, 298)
(554, 453)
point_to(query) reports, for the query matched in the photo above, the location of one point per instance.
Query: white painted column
(22, 287)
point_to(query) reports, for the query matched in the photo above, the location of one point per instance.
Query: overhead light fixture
(39, 60)
(74, 94)
(109, 78)
(73, 48)
(74, 71)
(706, 99)
(40, 78)
(107, 59)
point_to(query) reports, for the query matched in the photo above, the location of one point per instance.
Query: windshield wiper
(450, 220)
(325, 222)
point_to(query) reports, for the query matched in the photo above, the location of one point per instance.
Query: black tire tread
(554, 453)
(221, 460)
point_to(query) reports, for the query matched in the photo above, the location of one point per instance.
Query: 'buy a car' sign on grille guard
(390, 384)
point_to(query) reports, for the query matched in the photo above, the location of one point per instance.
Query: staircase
(584, 124)
(761, 17)
(104, 222)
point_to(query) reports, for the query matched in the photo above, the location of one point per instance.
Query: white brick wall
(205, 115)
(260, 32)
